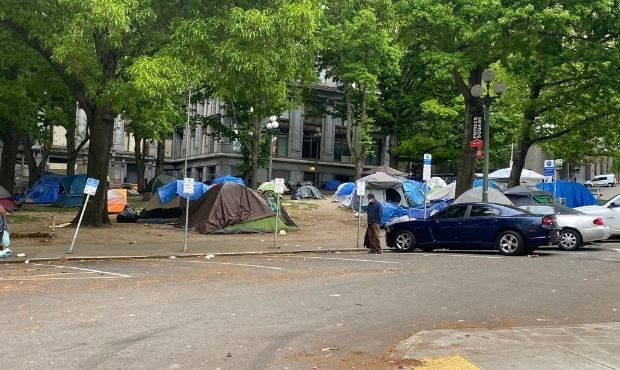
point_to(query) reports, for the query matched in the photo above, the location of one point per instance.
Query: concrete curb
(73, 258)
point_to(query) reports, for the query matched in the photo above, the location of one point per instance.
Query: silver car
(610, 212)
(577, 228)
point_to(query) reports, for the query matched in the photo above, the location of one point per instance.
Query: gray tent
(475, 195)
(385, 169)
(306, 192)
(386, 188)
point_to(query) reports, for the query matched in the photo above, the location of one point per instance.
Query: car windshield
(540, 210)
(563, 210)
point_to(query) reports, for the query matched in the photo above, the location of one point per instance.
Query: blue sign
(427, 158)
(91, 186)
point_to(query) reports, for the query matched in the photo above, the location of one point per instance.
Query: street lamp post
(272, 126)
(317, 137)
(477, 91)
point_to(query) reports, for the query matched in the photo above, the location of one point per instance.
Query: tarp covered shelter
(414, 191)
(45, 190)
(447, 192)
(384, 169)
(306, 192)
(526, 174)
(157, 212)
(386, 188)
(227, 178)
(117, 200)
(234, 208)
(6, 200)
(72, 191)
(475, 195)
(169, 191)
(343, 192)
(575, 194)
(332, 184)
(269, 186)
(524, 195)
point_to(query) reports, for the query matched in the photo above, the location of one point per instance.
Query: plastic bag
(5, 253)
(6, 241)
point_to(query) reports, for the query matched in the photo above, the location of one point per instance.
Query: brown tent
(385, 169)
(231, 207)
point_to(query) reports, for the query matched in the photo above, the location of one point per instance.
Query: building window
(374, 159)
(341, 149)
(281, 139)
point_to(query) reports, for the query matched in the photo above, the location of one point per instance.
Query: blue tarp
(346, 189)
(392, 211)
(227, 178)
(414, 191)
(169, 191)
(45, 190)
(332, 185)
(576, 194)
(492, 184)
(72, 191)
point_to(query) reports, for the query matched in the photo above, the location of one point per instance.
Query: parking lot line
(43, 277)
(236, 264)
(345, 259)
(87, 270)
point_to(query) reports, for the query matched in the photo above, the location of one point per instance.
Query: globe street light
(477, 92)
(272, 126)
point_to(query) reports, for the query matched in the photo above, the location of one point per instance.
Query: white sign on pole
(426, 170)
(360, 187)
(188, 185)
(91, 186)
(279, 184)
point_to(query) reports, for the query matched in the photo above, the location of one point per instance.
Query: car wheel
(404, 241)
(510, 243)
(570, 240)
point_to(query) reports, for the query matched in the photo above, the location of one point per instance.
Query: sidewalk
(263, 245)
(592, 346)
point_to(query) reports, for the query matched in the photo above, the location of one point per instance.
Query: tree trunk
(71, 150)
(467, 167)
(138, 152)
(101, 126)
(518, 159)
(255, 150)
(392, 145)
(10, 148)
(159, 162)
(34, 170)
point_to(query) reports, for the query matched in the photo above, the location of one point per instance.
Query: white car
(602, 180)
(610, 212)
(577, 228)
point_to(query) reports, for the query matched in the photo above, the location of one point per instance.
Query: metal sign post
(279, 185)
(188, 189)
(360, 190)
(89, 189)
(557, 165)
(426, 175)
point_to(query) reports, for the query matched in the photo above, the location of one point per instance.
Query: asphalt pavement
(304, 311)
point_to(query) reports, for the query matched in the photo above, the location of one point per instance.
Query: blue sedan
(510, 230)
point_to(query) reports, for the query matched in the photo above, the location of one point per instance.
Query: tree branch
(551, 136)
(461, 85)
(76, 87)
(84, 141)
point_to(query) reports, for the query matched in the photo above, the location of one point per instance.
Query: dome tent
(306, 192)
(6, 200)
(575, 194)
(344, 191)
(234, 208)
(524, 195)
(386, 189)
(45, 190)
(475, 195)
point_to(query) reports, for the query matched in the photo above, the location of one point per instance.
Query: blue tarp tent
(45, 190)
(227, 178)
(576, 194)
(72, 191)
(414, 191)
(492, 185)
(391, 211)
(169, 191)
(332, 185)
(343, 192)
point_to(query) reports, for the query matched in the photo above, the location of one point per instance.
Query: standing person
(4, 225)
(375, 214)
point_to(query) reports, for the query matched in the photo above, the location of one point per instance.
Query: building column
(328, 134)
(295, 132)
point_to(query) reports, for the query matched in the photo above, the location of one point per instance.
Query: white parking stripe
(236, 264)
(344, 259)
(22, 278)
(88, 270)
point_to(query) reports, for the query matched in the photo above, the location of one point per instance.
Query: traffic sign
(279, 184)
(360, 187)
(188, 185)
(549, 163)
(91, 186)
(559, 163)
(427, 158)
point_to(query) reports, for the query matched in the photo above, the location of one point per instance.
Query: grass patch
(22, 219)
(300, 204)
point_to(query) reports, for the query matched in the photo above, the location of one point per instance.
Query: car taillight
(598, 221)
(548, 220)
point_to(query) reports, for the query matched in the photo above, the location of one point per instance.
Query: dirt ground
(319, 220)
